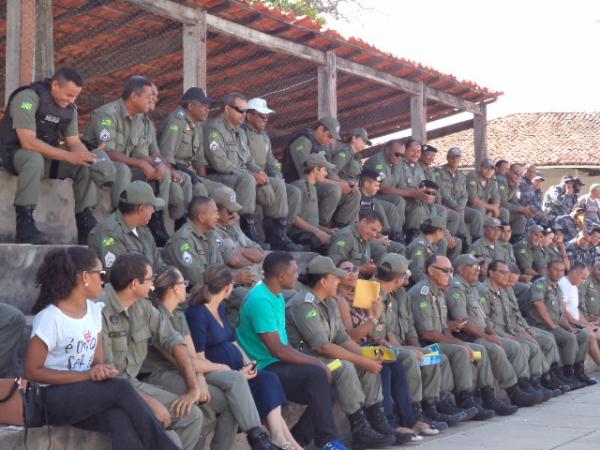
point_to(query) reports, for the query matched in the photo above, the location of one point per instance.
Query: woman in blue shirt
(214, 340)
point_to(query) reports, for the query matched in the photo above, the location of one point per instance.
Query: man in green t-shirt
(305, 379)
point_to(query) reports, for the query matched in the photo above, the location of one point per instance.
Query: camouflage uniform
(557, 202)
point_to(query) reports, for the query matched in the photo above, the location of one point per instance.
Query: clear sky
(544, 55)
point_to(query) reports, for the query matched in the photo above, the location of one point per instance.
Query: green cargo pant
(393, 221)
(547, 343)
(188, 428)
(400, 205)
(12, 327)
(468, 375)
(536, 356)
(423, 382)
(335, 207)
(572, 347)
(126, 174)
(507, 361)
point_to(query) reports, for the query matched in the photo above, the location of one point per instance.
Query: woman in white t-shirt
(65, 354)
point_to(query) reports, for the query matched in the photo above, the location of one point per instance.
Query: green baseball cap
(396, 262)
(492, 222)
(361, 132)
(437, 222)
(324, 265)
(226, 198)
(140, 193)
(466, 260)
(317, 160)
(332, 125)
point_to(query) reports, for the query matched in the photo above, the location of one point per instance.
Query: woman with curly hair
(65, 355)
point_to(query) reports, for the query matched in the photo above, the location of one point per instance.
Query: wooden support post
(44, 37)
(327, 86)
(20, 44)
(418, 117)
(480, 134)
(194, 52)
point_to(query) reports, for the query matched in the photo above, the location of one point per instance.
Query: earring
(85, 284)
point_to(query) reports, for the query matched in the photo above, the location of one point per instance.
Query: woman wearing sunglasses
(65, 355)
(226, 400)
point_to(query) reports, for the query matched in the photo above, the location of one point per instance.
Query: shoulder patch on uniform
(419, 253)
(309, 298)
(502, 187)
(108, 241)
(523, 251)
(106, 122)
(310, 314)
(174, 127)
(180, 114)
(473, 252)
(213, 146)
(423, 304)
(539, 286)
(219, 242)
(482, 300)
(341, 243)
(456, 295)
(104, 135)
(299, 147)
(214, 134)
(27, 106)
(380, 167)
(109, 259)
(343, 155)
(425, 290)
(185, 246)
(472, 182)
(186, 258)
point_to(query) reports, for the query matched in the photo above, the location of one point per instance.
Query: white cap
(259, 105)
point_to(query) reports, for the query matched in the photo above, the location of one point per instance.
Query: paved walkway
(568, 422)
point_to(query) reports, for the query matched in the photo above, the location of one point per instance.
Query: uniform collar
(196, 232)
(123, 110)
(112, 301)
(354, 229)
(228, 125)
(123, 223)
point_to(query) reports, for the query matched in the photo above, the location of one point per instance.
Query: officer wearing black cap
(573, 222)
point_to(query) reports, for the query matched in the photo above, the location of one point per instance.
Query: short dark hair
(428, 184)
(370, 216)
(275, 263)
(385, 272)
(66, 74)
(230, 98)
(128, 267)
(196, 206)
(135, 84)
(311, 279)
(500, 162)
(552, 263)
(430, 261)
(577, 265)
(389, 144)
(127, 208)
(427, 228)
(514, 269)
(493, 266)
(410, 141)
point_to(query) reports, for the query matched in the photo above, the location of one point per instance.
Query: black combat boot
(466, 400)
(85, 222)
(580, 375)
(157, 228)
(569, 376)
(489, 401)
(363, 436)
(27, 232)
(259, 439)
(448, 406)
(418, 411)
(430, 409)
(249, 227)
(276, 235)
(552, 381)
(522, 398)
(536, 383)
(380, 424)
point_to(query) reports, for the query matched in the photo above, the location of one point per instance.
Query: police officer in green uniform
(346, 160)
(314, 326)
(465, 305)
(482, 190)
(37, 117)
(119, 125)
(130, 324)
(125, 230)
(12, 326)
(431, 322)
(430, 396)
(508, 188)
(487, 247)
(424, 245)
(504, 249)
(454, 196)
(589, 295)
(507, 322)
(546, 312)
(260, 147)
(231, 163)
(339, 201)
(530, 257)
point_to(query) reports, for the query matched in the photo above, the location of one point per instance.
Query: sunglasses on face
(444, 269)
(185, 283)
(102, 273)
(262, 116)
(398, 154)
(238, 109)
(503, 272)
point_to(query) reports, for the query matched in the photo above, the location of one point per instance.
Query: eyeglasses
(185, 283)
(350, 269)
(151, 280)
(503, 272)
(517, 173)
(444, 269)
(238, 109)
(262, 116)
(102, 273)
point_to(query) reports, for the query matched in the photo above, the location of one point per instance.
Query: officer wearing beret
(119, 125)
(314, 326)
(36, 118)
(508, 359)
(546, 312)
(125, 230)
(338, 199)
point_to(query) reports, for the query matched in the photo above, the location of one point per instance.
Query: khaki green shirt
(112, 125)
(463, 302)
(589, 297)
(347, 243)
(309, 204)
(192, 252)
(508, 194)
(518, 323)
(428, 307)
(312, 323)
(155, 361)
(452, 187)
(483, 249)
(23, 107)
(347, 164)
(262, 153)
(182, 140)
(228, 247)
(417, 252)
(128, 333)
(406, 322)
(113, 237)
(392, 172)
(149, 145)
(543, 291)
(499, 309)
(505, 252)
(529, 257)
(227, 150)
(411, 174)
(486, 190)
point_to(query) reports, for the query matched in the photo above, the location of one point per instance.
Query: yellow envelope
(365, 293)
